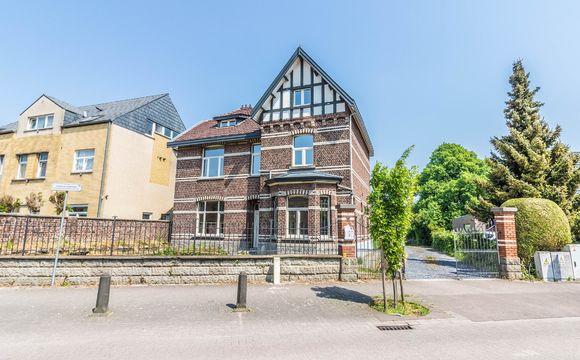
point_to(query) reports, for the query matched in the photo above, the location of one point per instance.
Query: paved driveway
(426, 263)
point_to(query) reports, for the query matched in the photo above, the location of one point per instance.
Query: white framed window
(303, 152)
(228, 123)
(297, 216)
(42, 164)
(165, 131)
(256, 159)
(149, 126)
(40, 122)
(147, 216)
(22, 164)
(79, 210)
(210, 219)
(1, 164)
(302, 97)
(325, 216)
(213, 162)
(84, 160)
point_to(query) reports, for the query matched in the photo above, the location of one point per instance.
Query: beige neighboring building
(116, 151)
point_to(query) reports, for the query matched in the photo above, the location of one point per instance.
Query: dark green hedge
(540, 226)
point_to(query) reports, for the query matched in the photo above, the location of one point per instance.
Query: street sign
(66, 187)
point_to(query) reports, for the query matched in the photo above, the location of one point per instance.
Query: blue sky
(422, 72)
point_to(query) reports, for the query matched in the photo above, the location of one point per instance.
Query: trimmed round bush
(540, 226)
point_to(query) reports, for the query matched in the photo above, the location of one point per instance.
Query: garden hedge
(540, 226)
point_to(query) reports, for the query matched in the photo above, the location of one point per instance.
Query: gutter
(215, 139)
(102, 188)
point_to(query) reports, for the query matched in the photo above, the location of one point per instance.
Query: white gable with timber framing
(303, 89)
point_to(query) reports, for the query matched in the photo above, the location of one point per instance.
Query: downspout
(350, 156)
(102, 189)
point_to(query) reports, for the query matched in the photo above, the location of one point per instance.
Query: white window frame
(298, 211)
(40, 166)
(329, 218)
(206, 161)
(84, 213)
(200, 227)
(228, 123)
(85, 161)
(1, 164)
(147, 216)
(160, 129)
(258, 155)
(45, 122)
(301, 92)
(22, 165)
(303, 150)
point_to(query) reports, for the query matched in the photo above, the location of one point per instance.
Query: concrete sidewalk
(470, 319)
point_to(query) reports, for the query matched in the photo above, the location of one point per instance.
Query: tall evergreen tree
(530, 161)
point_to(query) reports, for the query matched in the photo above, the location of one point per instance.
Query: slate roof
(208, 131)
(8, 128)
(304, 175)
(127, 113)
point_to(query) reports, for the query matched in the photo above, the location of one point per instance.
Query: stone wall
(78, 270)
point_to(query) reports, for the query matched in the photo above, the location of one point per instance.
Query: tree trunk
(395, 297)
(383, 281)
(402, 291)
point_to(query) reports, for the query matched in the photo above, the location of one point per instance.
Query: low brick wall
(79, 270)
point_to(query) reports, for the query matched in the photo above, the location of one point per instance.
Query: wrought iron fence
(36, 235)
(368, 256)
(476, 253)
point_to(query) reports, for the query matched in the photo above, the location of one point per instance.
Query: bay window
(297, 215)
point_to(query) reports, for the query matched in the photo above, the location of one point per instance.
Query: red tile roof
(210, 128)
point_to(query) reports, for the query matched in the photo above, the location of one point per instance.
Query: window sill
(81, 173)
(302, 167)
(203, 178)
(37, 130)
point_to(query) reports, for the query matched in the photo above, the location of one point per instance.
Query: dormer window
(40, 122)
(302, 97)
(228, 123)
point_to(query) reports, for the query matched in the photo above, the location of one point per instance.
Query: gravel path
(426, 263)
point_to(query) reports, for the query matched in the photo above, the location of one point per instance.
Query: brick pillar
(507, 244)
(346, 217)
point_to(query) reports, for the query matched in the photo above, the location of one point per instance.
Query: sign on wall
(66, 187)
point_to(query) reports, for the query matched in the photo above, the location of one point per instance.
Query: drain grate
(394, 327)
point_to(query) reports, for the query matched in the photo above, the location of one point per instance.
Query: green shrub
(540, 226)
(443, 240)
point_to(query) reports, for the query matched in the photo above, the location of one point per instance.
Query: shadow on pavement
(339, 293)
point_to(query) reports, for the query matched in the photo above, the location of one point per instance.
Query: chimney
(85, 114)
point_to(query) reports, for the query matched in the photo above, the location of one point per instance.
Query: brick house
(293, 168)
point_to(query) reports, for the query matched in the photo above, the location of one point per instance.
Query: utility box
(553, 266)
(574, 250)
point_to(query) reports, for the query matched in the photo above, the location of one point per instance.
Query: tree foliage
(34, 202)
(57, 199)
(530, 161)
(391, 201)
(9, 204)
(448, 186)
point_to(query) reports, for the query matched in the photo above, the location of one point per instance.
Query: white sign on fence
(66, 187)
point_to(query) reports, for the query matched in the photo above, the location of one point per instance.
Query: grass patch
(409, 309)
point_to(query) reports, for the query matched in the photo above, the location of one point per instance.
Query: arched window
(303, 150)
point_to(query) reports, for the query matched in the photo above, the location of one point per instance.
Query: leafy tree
(448, 186)
(531, 161)
(34, 202)
(9, 204)
(57, 199)
(391, 204)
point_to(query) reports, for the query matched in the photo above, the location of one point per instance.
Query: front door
(256, 226)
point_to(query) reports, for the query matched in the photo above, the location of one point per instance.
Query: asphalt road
(470, 320)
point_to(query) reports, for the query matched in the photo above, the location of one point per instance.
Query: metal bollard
(102, 306)
(242, 291)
